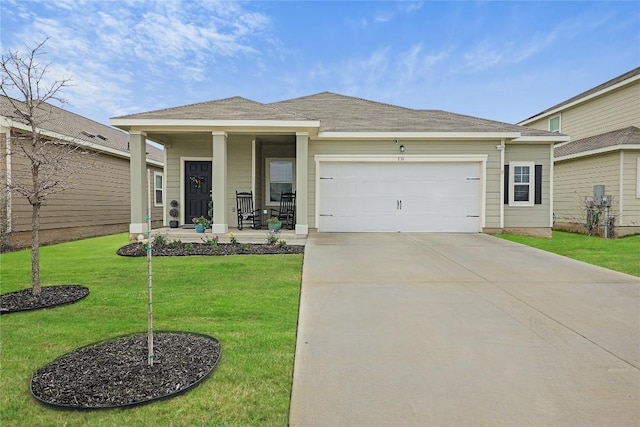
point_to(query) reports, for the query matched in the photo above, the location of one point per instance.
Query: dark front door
(197, 190)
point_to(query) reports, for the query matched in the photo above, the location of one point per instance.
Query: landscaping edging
(189, 249)
(50, 296)
(115, 373)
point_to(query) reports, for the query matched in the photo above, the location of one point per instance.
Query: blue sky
(503, 61)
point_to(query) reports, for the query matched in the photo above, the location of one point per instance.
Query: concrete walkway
(462, 330)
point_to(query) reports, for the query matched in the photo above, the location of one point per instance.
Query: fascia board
(418, 135)
(542, 139)
(579, 101)
(196, 123)
(385, 158)
(54, 135)
(604, 150)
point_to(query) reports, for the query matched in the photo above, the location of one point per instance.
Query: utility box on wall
(598, 194)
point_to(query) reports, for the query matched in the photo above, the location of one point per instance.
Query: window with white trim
(280, 178)
(521, 183)
(158, 189)
(554, 124)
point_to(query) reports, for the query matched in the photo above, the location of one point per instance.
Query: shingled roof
(350, 114)
(235, 108)
(621, 137)
(71, 125)
(336, 113)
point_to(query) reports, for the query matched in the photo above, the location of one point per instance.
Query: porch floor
(246, 235)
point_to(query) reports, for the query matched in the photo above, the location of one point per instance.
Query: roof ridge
(326, 92)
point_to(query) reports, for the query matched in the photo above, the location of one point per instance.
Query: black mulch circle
(185, 249)
(116, 373)
(50, 296)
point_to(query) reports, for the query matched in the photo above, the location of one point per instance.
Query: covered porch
(203, 170)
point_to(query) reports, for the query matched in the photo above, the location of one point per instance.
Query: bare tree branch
(52, 160)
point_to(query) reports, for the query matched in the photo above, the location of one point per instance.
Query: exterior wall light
(402, 148)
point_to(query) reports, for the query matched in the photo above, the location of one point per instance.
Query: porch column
(302, 179)
(219, 174)
(138, 177)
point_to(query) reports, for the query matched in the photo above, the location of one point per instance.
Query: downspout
(502, 148)
(551, 173)
(619, 220)
(9, 222)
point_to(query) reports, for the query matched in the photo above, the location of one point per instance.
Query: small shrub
(188, 247)
(175, 244)
(160, 240)
(272, 237)
(244, 247)
(232, 238)
(212, 242)
(281, 243)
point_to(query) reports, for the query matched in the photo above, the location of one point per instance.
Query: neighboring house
(355, 165)
(603, 124)
(97, 201)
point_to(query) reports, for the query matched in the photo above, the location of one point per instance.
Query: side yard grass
(249, 302)
(615, 254)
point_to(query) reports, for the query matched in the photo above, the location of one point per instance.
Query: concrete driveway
(462, 330)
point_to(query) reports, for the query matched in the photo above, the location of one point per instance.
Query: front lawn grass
(621, 254)
(248, 302)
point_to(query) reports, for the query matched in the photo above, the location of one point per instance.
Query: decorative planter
(274, 225)
(200, 228)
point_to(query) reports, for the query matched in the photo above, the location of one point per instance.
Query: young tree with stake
(51, 161)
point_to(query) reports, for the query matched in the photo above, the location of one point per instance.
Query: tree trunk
(35, 250)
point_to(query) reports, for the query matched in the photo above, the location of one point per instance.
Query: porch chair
(245, 210)
(287, 212)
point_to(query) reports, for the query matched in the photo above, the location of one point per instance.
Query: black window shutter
(506, 184)
(538, 196)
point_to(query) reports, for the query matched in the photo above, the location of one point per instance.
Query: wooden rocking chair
(245, 210)
(287, 212)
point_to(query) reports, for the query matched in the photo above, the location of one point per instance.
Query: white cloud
(108, 46)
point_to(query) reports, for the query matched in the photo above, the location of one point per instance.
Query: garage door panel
(420, 196)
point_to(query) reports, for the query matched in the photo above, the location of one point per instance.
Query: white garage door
(408, 196)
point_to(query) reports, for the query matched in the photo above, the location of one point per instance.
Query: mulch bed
(188, 249)
(50, 296)
(116, 373)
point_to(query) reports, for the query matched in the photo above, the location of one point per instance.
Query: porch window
(279, 179)
(158, 189)
(522, 184)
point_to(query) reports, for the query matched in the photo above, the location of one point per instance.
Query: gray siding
(537, 215)
(630, 215)
(575, 180)
(615, 110)
(96, 202)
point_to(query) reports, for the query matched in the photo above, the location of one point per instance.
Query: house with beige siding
(355, 165)
(97, 201)
(604, 126)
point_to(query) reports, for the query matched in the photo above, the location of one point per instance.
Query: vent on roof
(90, 135)
(102, 137)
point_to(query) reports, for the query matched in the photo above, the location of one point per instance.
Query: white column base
(137, 228)
(220, 228)
(302, 229)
